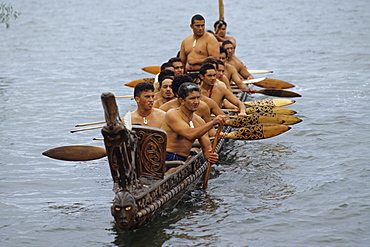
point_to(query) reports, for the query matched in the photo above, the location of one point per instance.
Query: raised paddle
(133, 83)
(206, 175)
(76, 153)
(269, 83)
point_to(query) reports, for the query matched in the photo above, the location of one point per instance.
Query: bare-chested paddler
(198, 46)
(209, 89)
(183, 127)
(145, 114)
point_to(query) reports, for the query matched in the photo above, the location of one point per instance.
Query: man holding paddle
(183, 127)
(198, 46)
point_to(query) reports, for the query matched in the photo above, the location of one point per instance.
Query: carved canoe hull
(137, 162)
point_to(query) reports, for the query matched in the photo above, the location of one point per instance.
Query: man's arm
(183, 56)
(179, 126)
(231, 97)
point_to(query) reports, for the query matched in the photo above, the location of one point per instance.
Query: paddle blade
(76, 153)
(270, 102)
(279, 93)
(133, 83)
(273, 84)
(152, 69)
(259, 71)
(244, 121)
(269, 109)
(289, 119)
(257, 132)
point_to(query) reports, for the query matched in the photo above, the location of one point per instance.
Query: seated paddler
(183, 126)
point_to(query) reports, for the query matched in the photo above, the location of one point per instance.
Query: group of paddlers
(191, 87)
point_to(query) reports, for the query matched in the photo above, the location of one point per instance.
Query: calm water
(307, 187)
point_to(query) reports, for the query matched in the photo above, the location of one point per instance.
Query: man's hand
(220, 119)
(212, 158)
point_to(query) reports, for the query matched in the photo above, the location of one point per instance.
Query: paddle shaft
(214, 145)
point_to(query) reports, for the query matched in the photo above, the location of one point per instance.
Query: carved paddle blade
(152, 69)
(133, 83)
(289, 119)
(76, 153)
(244, 121)
(257, 132)
(269, 109)
(270, 102)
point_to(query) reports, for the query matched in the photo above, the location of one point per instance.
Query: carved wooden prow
(121, 146)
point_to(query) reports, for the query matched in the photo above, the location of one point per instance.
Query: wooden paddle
(269, 83)
(86, 124)
(274, 92)
(76, 153)
(270, 102)
(133, 83)
(91, 128)
(265, 109)
(244, 121)
(257, 132)
(288, 119)
(157, 69)
(208, 171)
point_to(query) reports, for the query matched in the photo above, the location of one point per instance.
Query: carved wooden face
(124, 210)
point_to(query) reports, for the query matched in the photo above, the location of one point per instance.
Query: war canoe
(137, 162)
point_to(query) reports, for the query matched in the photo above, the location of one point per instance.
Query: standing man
(198, 46)
(183, 126)
(145, 114)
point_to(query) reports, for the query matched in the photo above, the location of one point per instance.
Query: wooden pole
(221, 9)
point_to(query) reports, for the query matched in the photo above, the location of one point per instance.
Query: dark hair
(178, 80)
(211, 60)
(187, 88)
(166, 65)
(164, 78)
(164, 73)
(142, 87)
(205, 67)
(219, 24)
(223, 50)
(197, 17)
(174, 59)
(227, 42)
(220, 62)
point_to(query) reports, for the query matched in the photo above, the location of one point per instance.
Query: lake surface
(307, 187)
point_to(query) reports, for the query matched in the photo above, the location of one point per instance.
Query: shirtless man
(177, 65)
(145, 114)
(198, 46)
(220, 32)
(208, 76)
(165, 90)
(183, 126)
(232, 74)
(233, 60)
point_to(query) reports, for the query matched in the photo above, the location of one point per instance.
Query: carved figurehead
(124, 210)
